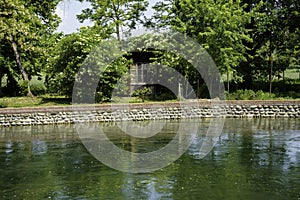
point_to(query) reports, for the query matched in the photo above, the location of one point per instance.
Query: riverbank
(149, 111)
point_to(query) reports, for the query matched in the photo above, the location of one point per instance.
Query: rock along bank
(148, 111)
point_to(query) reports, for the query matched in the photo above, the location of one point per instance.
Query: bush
(142, 93)
(293, 94)
(250, 95)
(23, 87)
(165, 96)
(37, 86)
(260, 95)
(3, 104)
(101, 98)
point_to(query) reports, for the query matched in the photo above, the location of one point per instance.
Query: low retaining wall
(151, 111)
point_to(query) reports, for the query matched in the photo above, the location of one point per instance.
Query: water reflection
(253, 159)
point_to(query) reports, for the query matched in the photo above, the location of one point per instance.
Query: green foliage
(25, 26)
(113, 16)
(165, 96)
(115, 75)
(63, 66)
(219, 26)
(169, 62)
(142, 93)
(37, 86)
(250, 95)
(256, 41)
(3, 104)
(243, 38)
(274, 28)
(66, 59)
(23, 87)
(78, 49)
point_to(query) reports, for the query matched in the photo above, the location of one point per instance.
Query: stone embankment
(150, 111)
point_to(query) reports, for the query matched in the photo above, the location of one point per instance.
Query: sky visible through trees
(67, 10)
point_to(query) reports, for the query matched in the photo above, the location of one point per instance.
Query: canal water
(252, 159)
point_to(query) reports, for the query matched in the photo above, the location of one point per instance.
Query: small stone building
(143, 71)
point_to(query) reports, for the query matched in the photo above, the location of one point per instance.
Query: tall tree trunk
(1, 85)
(228, 84)
(118, 31)
(271, 72)
(19, 63)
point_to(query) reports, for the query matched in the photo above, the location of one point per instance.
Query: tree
(5, 64)
(13, 28)
(23, 29)
(219, 26)
(66, 59)
(114, 15)
(69, 56)
(295, 61)
(250, 39)
(273, 25)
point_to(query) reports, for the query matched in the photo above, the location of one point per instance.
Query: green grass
(47, 100)
(44, 100)
(137, 100)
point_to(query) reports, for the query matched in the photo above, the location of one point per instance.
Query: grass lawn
(45, 100)
(48, 100)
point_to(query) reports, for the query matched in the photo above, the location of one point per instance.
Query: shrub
(100, 97)
(3, 104)
(38, 88)
(250, 95)
(142, 93)
(260, 95)
(23, 87)
(165, 96)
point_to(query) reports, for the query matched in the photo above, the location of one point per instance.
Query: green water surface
(253, 159)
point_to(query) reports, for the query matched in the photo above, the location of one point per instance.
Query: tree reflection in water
(253, 159)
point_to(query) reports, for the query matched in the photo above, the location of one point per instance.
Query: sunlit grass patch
(44, 100)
